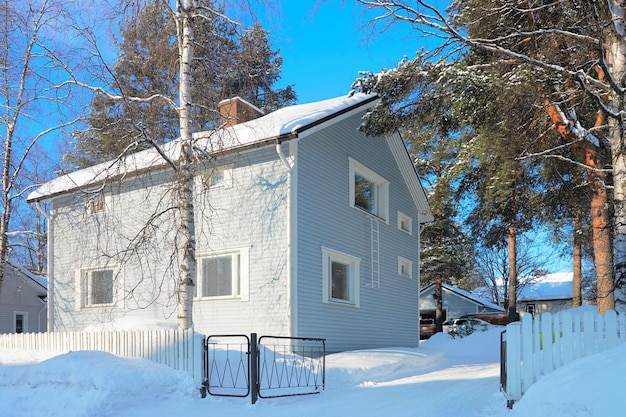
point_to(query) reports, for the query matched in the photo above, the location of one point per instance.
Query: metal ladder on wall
(375, 239)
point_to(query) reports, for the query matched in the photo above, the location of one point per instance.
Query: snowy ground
(444, 377)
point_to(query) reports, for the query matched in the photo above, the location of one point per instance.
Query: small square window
(405, 267)
(223, 275)
(98, 202)
(368, 191)
(216, 177)
(340, 278)
(97, 287)
(405, 223)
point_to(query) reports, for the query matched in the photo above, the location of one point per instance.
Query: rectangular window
(340, 276)
(97, 287)
(368, 191)
(365, 194)
(20, 322)
(223, 275)
(405, 267)
(405, 223)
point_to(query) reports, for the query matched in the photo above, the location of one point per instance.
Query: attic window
(216, 177)
(405, 223)
(98, 202)
(405, 267)
(369, 191)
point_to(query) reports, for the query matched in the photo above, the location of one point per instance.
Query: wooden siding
(250, 214)
(388, 315)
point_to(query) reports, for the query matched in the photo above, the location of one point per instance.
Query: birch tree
(176, 209)
(33, 102)
(578, 50)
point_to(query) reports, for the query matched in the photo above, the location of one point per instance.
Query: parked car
(464, 326)
(427, 328)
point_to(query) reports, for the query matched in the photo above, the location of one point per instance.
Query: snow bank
(86, 384)
(444, 377)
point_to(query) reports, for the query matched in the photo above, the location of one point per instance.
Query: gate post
(253, 365)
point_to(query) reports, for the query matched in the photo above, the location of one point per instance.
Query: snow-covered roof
(555, 286)
(283, 124)
(36, 282)
(465, 294)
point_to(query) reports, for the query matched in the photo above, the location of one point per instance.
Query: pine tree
(226, 64)
(574, 52)
(435, 140)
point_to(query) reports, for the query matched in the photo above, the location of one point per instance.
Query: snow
(554, 286)
(285, 122)
(443, 377)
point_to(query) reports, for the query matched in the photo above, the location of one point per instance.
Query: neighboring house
(545, 293)
(305, 227)
(456, 302)
(548, 293)
(22, 302)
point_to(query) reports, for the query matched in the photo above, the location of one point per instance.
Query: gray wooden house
(548, 293)
(305, 227)
(23, 307)
(456, 302)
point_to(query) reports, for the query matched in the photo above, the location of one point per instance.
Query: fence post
(253, 366)
(513, 362)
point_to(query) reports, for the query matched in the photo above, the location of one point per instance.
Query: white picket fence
(182, 350)
(538, 346)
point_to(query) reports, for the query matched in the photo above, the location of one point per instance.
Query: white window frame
(404, 219)
(24, 315)
(381, 198)
(240, 274)
(405, 267)
(206, 181)
(353, 264)
(84, 280)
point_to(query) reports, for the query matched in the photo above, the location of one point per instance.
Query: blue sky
(324, 45)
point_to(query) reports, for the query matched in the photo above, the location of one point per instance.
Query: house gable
(23, 300)
(456, 301)
(331, 227)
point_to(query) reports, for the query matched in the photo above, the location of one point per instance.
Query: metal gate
(267, 367)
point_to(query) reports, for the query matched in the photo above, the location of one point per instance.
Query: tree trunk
(439, 305)
(6, 203)
(186, 233)
(600, 217)
(577, 284)
(512, 245)
(615, 58)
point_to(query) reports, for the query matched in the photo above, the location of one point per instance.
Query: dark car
(427, 328)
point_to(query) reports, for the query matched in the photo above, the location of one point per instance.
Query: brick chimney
(237, 110)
